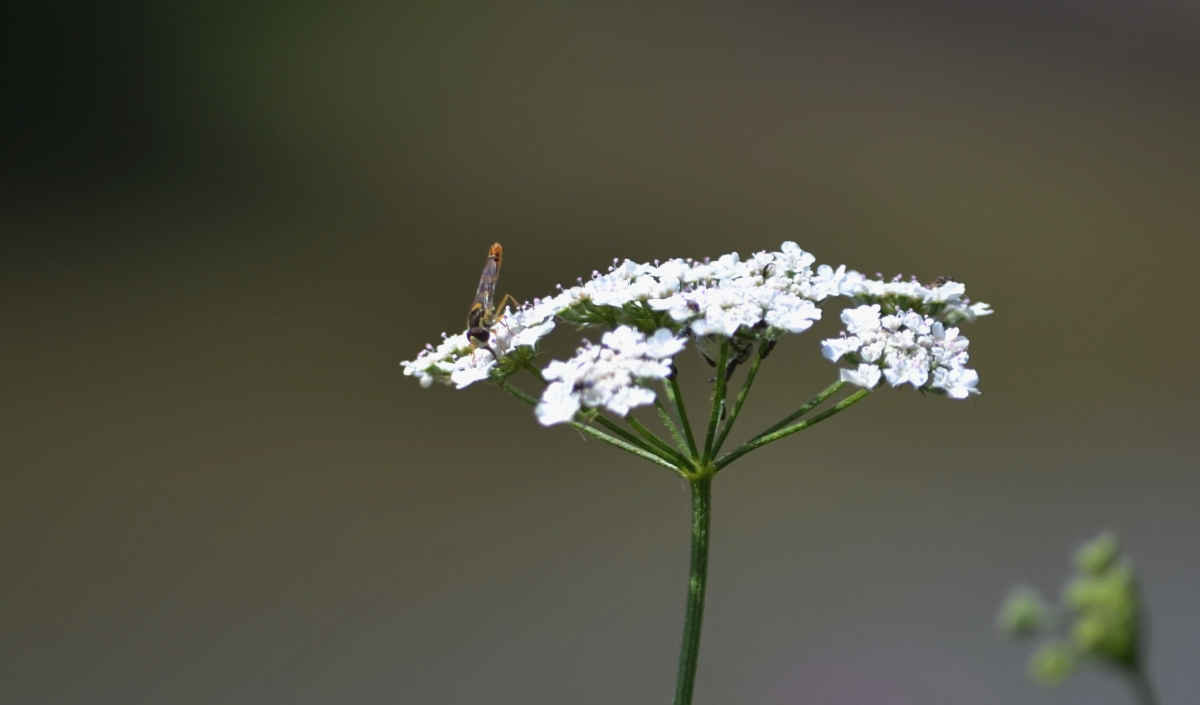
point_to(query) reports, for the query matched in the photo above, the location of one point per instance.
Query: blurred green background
(225, 224)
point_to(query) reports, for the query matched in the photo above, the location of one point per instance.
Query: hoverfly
(483, 314)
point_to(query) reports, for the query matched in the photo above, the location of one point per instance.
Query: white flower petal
(864, 376)
(558, 405)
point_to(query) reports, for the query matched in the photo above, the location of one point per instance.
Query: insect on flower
(483, 314)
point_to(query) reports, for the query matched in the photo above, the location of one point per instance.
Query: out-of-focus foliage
(1097, 622)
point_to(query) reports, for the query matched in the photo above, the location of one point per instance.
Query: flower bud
(1023, 613)
(1098, 555)
(1052, 663)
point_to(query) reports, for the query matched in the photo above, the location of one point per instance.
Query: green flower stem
(527, 398)
(628, 437)
(689, 653)
(660, 444)
(532, 368)
(597, 433)
(812, 404)
(1143, 689)
(1139, 678)
(670, 424)
(737, 405)
(608, 423)
(653, 448)
(760, 441)
(676, 397)
(718, 403)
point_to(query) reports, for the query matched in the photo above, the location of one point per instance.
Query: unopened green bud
(1097, 555)
(1022, 614)
(1089, 634)
(1052, 663)
(1084, 593)
(1108, 635)
(1112, 592)
(1107, 608)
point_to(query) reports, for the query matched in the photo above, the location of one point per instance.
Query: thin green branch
(604, 421)
(1143, 689)
(631, 439)
(664, 447)
(518, 393)
(533, 370)
(597, 433)
(675, 395)
(670, 424)
(737, 405)
(761, 441)
(812, 404)
(718, 403)
(616, 429)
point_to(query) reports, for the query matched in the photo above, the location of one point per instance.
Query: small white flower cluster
(904, 348)
(610, 375)
(459, 362)
(944, 300)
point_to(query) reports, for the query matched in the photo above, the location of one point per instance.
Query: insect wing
(487, 283)
(481, 310)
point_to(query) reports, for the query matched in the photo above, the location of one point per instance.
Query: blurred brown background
(226, 223)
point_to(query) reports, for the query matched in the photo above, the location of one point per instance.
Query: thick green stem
(761, 441)
(689, 652)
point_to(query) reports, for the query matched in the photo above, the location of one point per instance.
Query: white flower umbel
(759, 298)
(737, 310)
(904, 348)
(611, 375)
